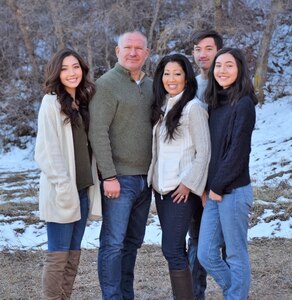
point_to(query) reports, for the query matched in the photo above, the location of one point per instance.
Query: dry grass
(267, 193)
(20, 185)
(20, 276)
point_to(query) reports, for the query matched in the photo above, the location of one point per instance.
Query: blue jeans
(199, 274)
(227, 221)
(175, 220)
(68, 236)
(122, 233)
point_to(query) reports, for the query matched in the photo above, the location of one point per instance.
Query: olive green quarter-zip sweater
(120, 129)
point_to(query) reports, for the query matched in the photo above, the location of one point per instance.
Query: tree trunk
(89, 56)
(23, 26)
(218, 17)
(55, 15)
(262, 62)
(151, 31)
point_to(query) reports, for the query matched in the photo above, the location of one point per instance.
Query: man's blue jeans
(227, 221)
(199, 274)
(68, 236)
(122, 233)
(174, 220)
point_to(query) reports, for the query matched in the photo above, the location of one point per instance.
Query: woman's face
(173, 78)
(71, 74)
(225, 71)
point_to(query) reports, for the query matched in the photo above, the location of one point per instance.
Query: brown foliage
(31, 31)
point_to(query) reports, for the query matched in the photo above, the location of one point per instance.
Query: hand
(181, 194)
(112, 188)
(214, 196)
(204, 199)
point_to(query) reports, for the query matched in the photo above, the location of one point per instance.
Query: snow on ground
(272, 142)
(18, 159)
(274, 228)
(270, 164)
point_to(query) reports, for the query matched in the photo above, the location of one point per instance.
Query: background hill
(32, 30)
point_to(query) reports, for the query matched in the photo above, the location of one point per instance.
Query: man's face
(132, 51)
(204, 53)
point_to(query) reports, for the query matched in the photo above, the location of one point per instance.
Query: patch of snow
(274, 228)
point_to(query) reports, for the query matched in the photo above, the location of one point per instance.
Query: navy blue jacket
(231, 129)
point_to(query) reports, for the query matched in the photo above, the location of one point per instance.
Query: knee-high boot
(181, 283)
(70, 273)
(53, 274)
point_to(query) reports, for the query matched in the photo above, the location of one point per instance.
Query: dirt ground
(271, 259)
(20, 271)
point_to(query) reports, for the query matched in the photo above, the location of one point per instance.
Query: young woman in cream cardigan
(69, 187)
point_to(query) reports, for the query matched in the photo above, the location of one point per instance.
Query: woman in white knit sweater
(69, 188)
(181, 153)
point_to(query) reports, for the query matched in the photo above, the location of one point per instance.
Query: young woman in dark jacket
(231, 99)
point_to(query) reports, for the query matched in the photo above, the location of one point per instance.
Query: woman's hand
(181, 194)
(214, 196)
(111, 188)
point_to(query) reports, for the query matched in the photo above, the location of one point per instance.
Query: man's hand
(111, 188)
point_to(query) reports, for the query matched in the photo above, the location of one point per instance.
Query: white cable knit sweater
(184, 159)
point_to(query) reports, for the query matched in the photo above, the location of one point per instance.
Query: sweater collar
(126, 72)
(223, 96)
(171, 101)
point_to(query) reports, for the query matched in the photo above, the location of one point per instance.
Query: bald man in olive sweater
(120, 134)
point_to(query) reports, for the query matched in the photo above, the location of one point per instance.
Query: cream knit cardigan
(54, 153)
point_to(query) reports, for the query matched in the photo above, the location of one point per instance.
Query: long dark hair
(84, 91)
(159, 93)
(242, 86)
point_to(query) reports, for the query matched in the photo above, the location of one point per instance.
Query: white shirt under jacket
(54, 153)
(183, 159)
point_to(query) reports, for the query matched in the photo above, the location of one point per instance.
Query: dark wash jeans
(122, 233)
(199, 274)
(175, 220)
(68, 236)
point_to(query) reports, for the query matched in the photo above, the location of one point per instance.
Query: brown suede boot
(181, 283)
(53, 274)
(70, 273)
